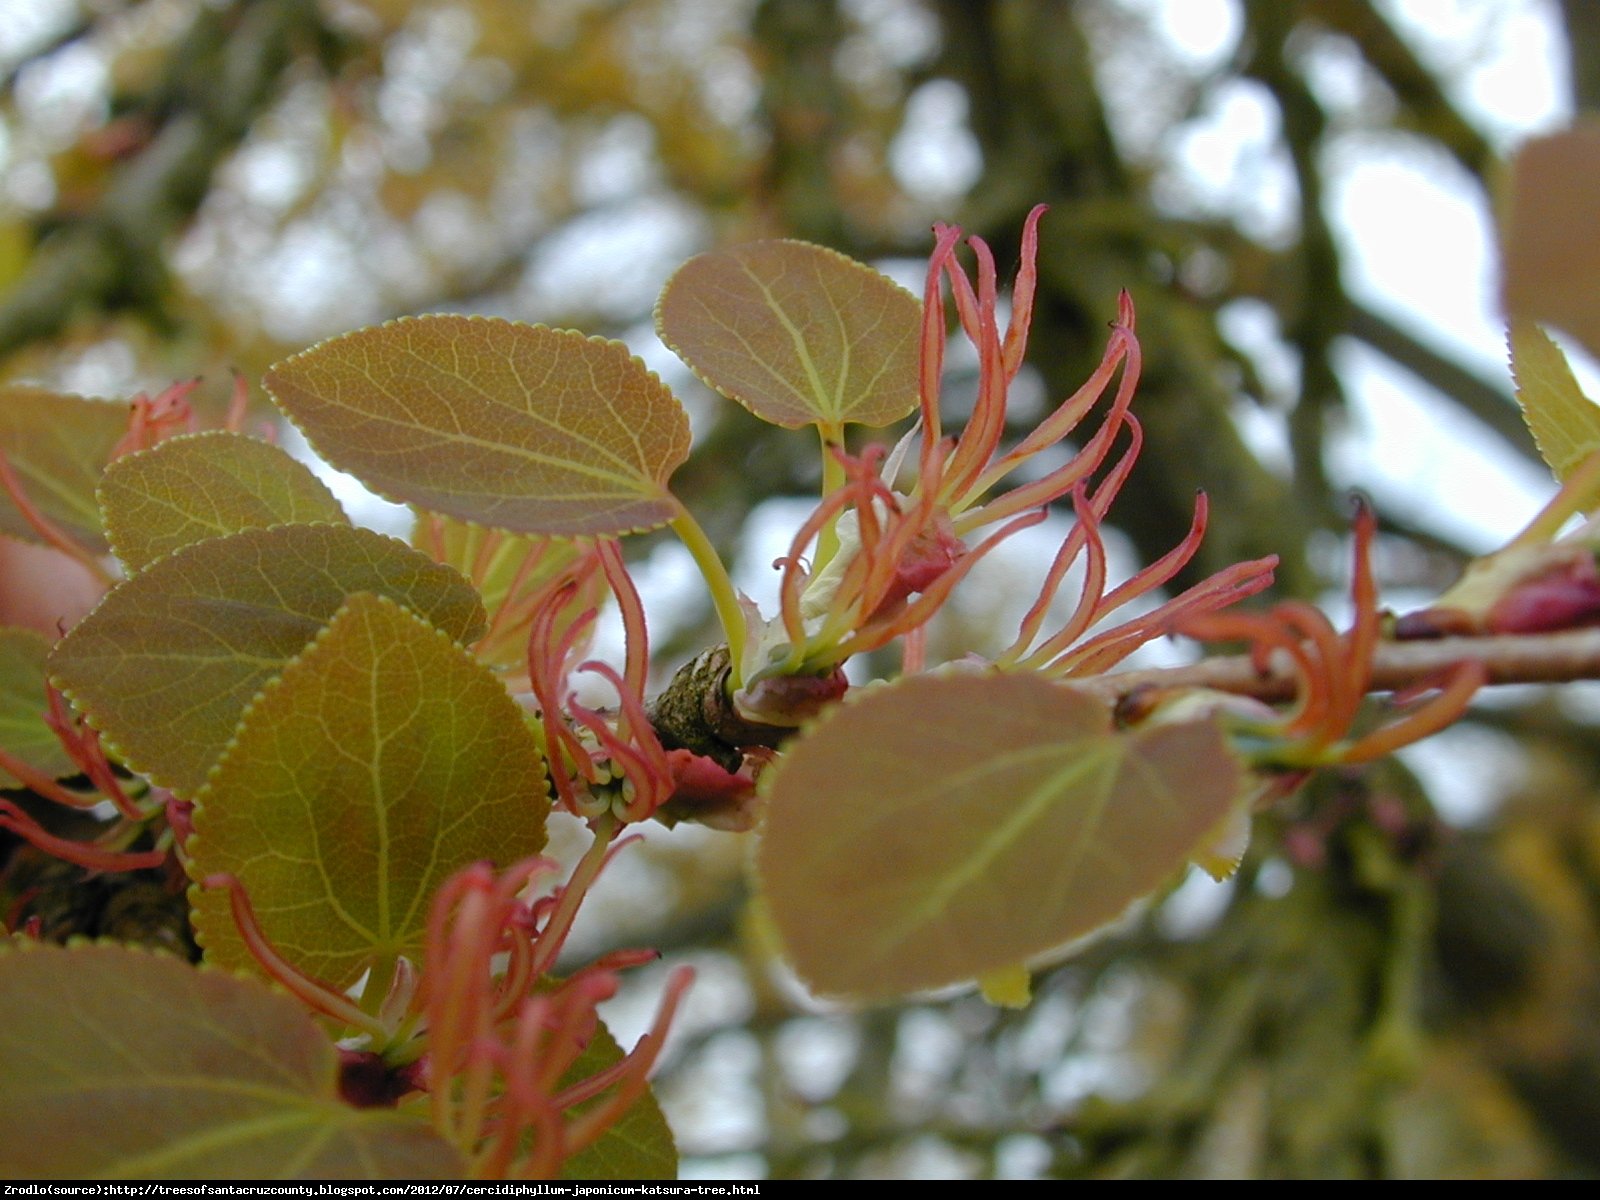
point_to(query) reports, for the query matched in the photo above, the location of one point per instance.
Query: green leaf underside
(166, 664)
(948, 826)
(639, 1146)
(58, 445)
(23, 732)
(1565, 423)
(383, 759)
(123, 1064)
(515, 427)
(502, 572)
(205, 485)
(798, 334)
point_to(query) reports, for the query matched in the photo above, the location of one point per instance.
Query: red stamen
(1022, 293)
(633, 1072)
(636, 660)
(37, 781)
(1085, 533)
(1158, 573)
(1226, 587)
(1061, 481)
(881, 632)
(238, 404)
(81, 854)
(547, 661)
(986, 426)
(82, 745)
(310, 992)
(1069, 413)
(48, 530)
(1442, 711)
(932, 357)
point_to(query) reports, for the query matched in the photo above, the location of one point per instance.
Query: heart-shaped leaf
(58, 445)
(516, 427)
(798, 334)
(166, 664)
(382, 760)
(23, 732)
(122, 1064)
(204, 485)
(950, 826)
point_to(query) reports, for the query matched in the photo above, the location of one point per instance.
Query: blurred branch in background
(217, 80)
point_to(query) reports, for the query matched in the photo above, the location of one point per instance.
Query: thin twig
(1511, 658)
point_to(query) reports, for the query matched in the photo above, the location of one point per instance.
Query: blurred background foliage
(1401, 981)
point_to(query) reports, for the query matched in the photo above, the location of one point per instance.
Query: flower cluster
(901, 550)
(610, 762)
(496, 1041)
(503, 1072)
(1332, 676)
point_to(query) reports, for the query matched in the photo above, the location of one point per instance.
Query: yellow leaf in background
(1565, 423)
(16, 248)
(1007, 987)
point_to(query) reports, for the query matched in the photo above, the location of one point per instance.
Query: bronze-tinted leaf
(950, 826)
(189, 488)
(798, 334)
(512, 426)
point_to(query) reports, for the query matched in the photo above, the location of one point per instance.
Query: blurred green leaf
(23, 732)
(123, 1064)
(58, 445)
(640, 1145)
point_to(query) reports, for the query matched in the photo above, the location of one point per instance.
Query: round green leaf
(23, 732)
(205, 485)
(512, 426)
(798, 334)
(382, 760)
(122, 1064)
(167, 662)
(949, 826)
(58, 445)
